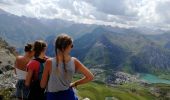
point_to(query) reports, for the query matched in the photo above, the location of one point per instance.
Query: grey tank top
(60, 81)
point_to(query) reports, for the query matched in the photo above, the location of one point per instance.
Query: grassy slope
(98, 91)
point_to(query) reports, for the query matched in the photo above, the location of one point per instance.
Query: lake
(150, 78)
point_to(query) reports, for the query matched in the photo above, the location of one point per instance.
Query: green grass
(100, 92)
(166, 76)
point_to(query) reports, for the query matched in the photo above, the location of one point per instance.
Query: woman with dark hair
(35, 69)
(59, 71)
(20, 71)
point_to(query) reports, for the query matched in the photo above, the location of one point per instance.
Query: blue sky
(122, 13)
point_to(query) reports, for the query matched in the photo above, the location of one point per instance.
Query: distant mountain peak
(3, 12)
(100, 30)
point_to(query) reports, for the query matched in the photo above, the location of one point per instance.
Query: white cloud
(113, 7)
(154, 13)
(122, 13)
(162, 9)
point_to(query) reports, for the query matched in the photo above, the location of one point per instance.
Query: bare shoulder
(75, 60)
(19, 57)
(77, 63)
(48, 65)
(49, 60)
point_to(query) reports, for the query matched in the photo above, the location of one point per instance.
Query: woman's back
(21, 63)
(59, 71)
(60, 80)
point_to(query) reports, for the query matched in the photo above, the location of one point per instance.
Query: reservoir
(150, 78)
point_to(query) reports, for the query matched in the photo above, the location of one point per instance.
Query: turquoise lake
(153, 79)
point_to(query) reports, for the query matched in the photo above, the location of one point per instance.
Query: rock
(8, 80)
(86, 99)
(7, 57)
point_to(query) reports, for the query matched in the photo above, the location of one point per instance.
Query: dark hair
(61, 43)
(39, 46)
(28, 47)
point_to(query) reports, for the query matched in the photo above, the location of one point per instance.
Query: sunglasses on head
(72, 46)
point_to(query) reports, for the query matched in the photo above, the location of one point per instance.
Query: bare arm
(15, 65)
(28, 77)
(45, 74)
(88, 76)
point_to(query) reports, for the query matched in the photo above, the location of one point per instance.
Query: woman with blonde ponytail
(59, 71)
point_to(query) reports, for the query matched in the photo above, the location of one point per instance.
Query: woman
(59, 71)
(20, 71)
(35, 69)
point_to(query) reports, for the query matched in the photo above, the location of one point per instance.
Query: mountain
(98, 49)
(151, 58)
(130, 50)
(127, 51)
(76, 30)
(18, 30)
(167, 45)
(2, 12)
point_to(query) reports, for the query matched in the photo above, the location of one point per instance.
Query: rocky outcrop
(7, 85)
(8, 80)
(7, 57)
